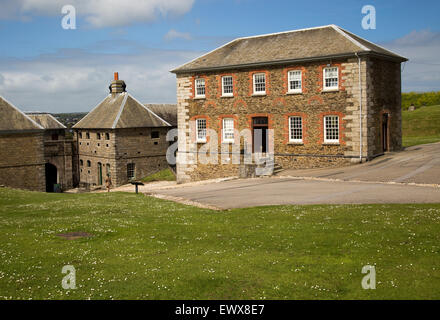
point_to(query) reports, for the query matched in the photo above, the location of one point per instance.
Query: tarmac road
(387, 179)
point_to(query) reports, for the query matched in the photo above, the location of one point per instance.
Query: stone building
(315, 97)
(22, 162)
(58, 153)
(122, 137)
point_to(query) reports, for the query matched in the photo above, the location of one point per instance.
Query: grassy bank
(145, 248)
(163, 175)
(421, 126)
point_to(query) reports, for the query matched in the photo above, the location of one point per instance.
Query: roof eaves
(385, 56)
(275, 62)
(118, 116)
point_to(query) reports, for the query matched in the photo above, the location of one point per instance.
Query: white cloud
(173, 34)
(76, 80)
(100, 13)
(422, 71)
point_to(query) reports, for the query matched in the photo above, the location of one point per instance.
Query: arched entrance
(51, 177)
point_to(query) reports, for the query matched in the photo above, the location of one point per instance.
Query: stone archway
(51, 177)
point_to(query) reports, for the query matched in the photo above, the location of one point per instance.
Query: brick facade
(380, 91)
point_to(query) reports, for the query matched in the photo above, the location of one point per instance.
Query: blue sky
(44, 67)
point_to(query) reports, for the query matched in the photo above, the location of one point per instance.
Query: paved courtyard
(411, 176)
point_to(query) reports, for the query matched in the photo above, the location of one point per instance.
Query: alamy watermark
(369, 20)
(369, 281)
(69, 20)
(249, 147)
(68, 281)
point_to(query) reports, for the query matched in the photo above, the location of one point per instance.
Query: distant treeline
(420, 99)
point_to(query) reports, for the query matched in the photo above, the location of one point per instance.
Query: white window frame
(254, 76)
(325, 77)
(291, 139)
(331, 140)
(197, 86)
(228, 130)
(227, 94)
(289, 79)
(198, 137)
(131, 170)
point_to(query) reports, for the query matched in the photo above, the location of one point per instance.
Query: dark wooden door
(260, 126)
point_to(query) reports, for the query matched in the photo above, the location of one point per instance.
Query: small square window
(259, 83)
(201, 130)
(87, 135)
(227, 86)
(98, 136)
(331, 78)
(200, 88)
(295, 129)
(80, 135)
(154, 134)
(107, 136)
(295, 81)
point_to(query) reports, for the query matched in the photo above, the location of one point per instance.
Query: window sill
(258, 94)
(228, 142)
(293, 143)
(293, 92)
(330, 90)
(331, 143)
(200, 98)
(222, 96)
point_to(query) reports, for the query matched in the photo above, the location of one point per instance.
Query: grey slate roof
(118, 111)
(168, 112)
(298, 45)
(13, 120)
(46, 120)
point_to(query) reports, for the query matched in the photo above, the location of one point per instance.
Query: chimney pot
(116, 76)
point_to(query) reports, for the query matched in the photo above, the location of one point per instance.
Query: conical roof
(118, 111)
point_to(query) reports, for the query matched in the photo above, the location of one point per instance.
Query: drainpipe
(360, 108)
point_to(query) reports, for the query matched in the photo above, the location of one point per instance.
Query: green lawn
(163, 175)
(145, 248)
(421, 126)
